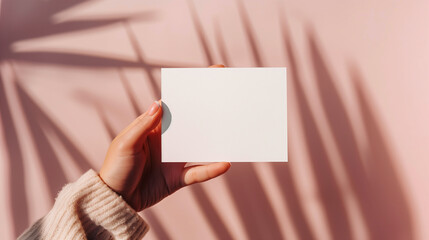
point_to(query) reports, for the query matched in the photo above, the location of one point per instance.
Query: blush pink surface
(74, 73)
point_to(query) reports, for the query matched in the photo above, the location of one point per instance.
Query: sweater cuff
(101, 212)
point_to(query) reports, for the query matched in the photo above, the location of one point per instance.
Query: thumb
(135, 134)
(201, 173)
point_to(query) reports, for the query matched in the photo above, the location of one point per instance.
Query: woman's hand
(133, 167)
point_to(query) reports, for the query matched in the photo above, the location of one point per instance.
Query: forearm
(88, 209)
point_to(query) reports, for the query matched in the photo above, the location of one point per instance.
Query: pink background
(74, 73)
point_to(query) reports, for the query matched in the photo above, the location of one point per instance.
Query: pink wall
(73, 73)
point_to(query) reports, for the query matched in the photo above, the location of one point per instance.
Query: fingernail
(153, 108)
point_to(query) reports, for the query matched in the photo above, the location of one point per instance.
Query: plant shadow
(376, 186)
(18, 196)
(378, 189)
(327, 187)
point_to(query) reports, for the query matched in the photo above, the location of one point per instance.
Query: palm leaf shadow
(252, 203)
(141, 61)
(341, 127)
(200, 33)
(38, 22)
(48, 28)
(39, 14)
(328, 189)
(389, 213)
(249, 208)
(17, 196)
(159, 231)
(16, 19)
(84, 60)
(221, 45)
(250, 35)
(109, 129)
(216, 223)
(45, 154)
(72, 59)
(386, 185)
(283, 172)
(39, 122)
(129, 93)
(372, 197)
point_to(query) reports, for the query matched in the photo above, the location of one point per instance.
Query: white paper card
(224, 114)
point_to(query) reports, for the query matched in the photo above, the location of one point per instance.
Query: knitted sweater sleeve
(88, 209)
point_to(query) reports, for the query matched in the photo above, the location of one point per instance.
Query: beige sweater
(88, 209)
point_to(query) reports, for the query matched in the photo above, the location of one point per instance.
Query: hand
(133, 167)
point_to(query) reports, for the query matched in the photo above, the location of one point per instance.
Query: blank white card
(224, 114)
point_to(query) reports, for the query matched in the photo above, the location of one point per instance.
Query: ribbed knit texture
(88, 209)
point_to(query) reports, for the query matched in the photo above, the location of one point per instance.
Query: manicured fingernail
(153, 108)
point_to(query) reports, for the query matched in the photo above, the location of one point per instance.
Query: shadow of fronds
(376, 187)
(387, 207)
(18, 196)
(378, 190)
(25, 20)
(39, 124)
